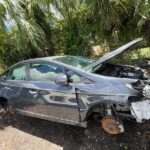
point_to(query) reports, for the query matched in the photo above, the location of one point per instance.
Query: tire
(7, 115)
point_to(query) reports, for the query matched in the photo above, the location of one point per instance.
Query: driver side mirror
(61, 80)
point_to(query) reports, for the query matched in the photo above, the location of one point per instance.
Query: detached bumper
(141, 110)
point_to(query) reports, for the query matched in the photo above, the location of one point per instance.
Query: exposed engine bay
(122, 71)
(139, 106)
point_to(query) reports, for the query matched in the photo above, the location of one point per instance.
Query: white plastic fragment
(141, 110)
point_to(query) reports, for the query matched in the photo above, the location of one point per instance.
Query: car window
(44, 72)
(17, 73)
(76, 61)
(76, 78)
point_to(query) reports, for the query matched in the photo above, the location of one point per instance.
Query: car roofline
(52, 60)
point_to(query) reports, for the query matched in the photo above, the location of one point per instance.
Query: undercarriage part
(122, 108)
(144, 64)
(108, 112)
(112, 125)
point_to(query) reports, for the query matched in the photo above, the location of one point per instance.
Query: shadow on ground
(136, 136)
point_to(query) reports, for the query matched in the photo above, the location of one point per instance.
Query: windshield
(77, 62)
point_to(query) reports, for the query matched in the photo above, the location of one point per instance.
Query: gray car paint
(67, 104)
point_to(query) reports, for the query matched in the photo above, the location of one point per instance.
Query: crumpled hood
(116, 52)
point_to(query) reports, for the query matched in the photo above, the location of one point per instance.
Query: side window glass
(76, 78)
(18, 73)
(44, 72)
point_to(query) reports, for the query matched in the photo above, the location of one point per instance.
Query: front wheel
(112, 125)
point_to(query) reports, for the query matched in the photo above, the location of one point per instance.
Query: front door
(50, 100)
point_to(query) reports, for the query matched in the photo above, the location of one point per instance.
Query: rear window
(17, 73)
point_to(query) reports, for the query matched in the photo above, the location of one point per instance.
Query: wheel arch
(3, 102)
(95, 109)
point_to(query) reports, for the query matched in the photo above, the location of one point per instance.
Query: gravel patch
(25, 133)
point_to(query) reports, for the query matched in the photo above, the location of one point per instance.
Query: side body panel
(44, 100)
(98, 93)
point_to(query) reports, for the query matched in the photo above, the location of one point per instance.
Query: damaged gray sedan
(70, 89)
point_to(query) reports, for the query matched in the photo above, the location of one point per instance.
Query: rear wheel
(7, 112)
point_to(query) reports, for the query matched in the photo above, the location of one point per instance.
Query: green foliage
(133, 56)
(76, 26)
(72, 34)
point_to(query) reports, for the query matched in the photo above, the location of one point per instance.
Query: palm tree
(38, 31)
(31, 27)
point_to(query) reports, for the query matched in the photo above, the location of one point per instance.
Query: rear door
(16, 87)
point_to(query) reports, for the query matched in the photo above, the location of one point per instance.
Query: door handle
(8, 88)
(33, 92)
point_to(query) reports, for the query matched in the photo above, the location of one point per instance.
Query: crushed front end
(136, 109)
(141, 109)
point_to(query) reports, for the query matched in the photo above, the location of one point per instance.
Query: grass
(141, 53)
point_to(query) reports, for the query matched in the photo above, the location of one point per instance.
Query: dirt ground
(27, 133)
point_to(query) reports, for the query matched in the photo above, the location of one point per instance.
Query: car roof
(49, 58)
(37, 59)
(42, 58)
